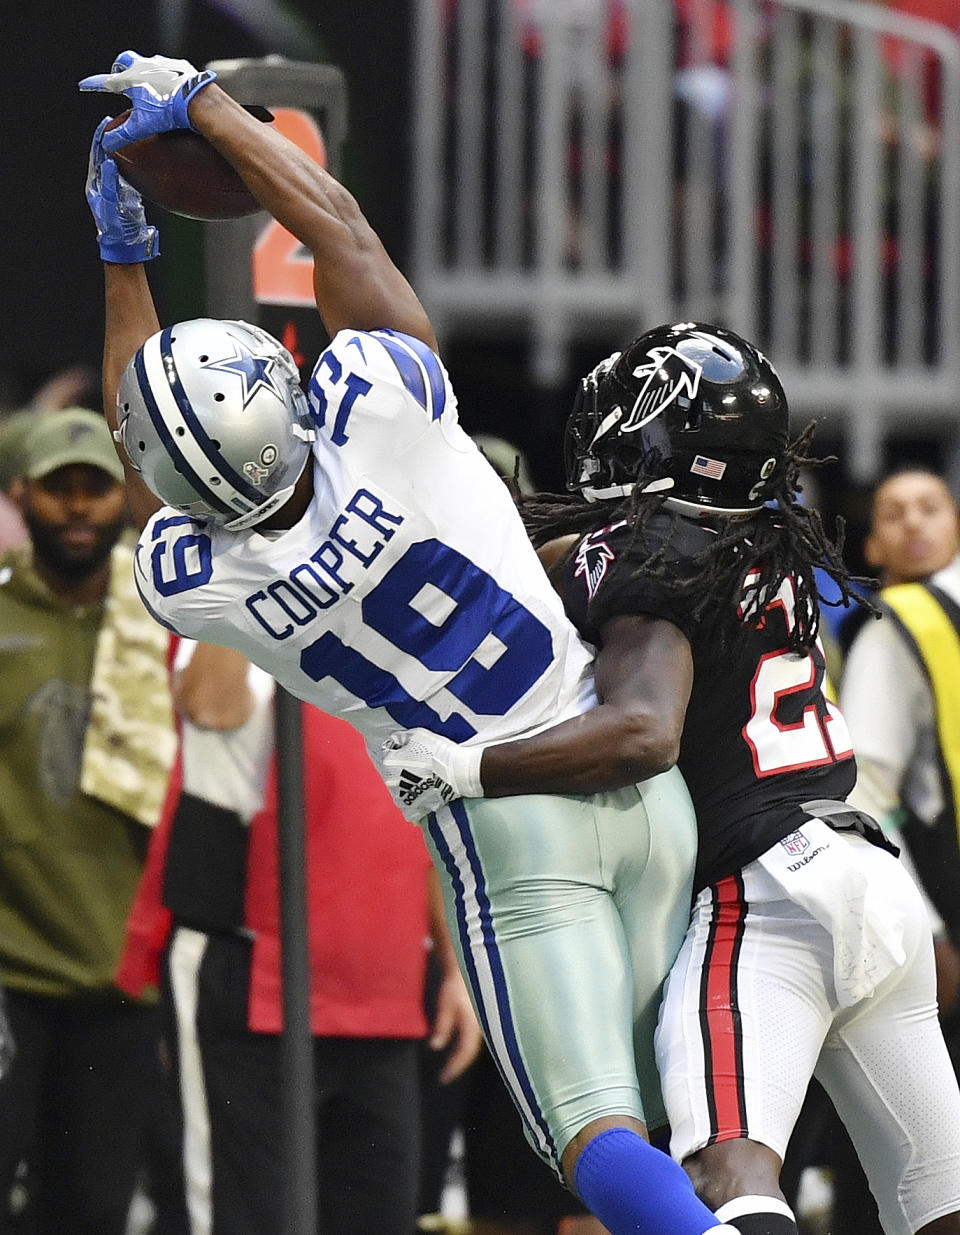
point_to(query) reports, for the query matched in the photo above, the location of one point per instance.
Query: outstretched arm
(130, 320)
(356, 283)
(126, 243)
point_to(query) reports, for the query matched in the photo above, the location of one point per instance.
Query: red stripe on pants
(722, 1020)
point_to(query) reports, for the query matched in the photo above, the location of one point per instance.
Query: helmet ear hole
(694, 417)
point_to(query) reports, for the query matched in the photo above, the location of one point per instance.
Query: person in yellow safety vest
(901, 699)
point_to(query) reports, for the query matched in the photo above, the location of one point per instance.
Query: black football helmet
(690, 410)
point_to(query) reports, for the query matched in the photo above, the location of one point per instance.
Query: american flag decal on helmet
(713, 468)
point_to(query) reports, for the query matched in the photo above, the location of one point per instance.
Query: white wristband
(464, 771)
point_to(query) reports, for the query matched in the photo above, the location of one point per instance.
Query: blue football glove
(123, 233)
(159, 90)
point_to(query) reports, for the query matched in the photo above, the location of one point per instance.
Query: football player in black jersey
(684, 554)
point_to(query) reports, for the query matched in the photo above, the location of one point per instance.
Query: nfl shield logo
(795, 844)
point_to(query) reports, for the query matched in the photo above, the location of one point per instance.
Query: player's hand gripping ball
(180, 171)
(155, 145)
(123, 233)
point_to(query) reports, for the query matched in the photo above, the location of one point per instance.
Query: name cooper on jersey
(355, 540)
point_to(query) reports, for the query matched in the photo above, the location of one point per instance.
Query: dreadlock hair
(783, 540)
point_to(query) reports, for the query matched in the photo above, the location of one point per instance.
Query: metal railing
(791, 168)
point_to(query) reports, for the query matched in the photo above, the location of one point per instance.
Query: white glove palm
(424, 771)
(159, 90)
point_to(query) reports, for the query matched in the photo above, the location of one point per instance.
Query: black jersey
(759, 738)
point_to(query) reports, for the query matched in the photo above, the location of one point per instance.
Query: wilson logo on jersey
(592, 560)
(668, 375)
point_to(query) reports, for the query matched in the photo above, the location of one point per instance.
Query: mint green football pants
(567, 913)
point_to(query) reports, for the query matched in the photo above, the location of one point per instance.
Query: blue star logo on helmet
(256, 372)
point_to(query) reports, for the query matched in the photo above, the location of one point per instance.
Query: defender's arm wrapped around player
(644, 672)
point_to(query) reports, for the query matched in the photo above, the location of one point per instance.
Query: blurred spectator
(13, 433)
(891, 697)
(87, 744)
(13, 429)
(64, 389)
(944, 13)
(703, 32)
(705, 41)
(899, 680)
(210, 902)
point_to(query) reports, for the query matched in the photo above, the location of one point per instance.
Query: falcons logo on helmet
(592, 560)
(668, 375)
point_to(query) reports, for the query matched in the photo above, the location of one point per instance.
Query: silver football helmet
(212, 415)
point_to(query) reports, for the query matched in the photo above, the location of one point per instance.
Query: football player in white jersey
(808, 950)
(356, 545)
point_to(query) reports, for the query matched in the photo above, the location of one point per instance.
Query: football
(184, 174)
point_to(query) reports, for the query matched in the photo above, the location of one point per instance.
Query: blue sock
(635, 1189)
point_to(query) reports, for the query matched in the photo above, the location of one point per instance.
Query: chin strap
(600, 495)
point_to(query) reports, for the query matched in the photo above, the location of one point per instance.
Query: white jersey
(408, 594)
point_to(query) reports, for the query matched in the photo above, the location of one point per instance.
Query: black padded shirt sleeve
(615, 572)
